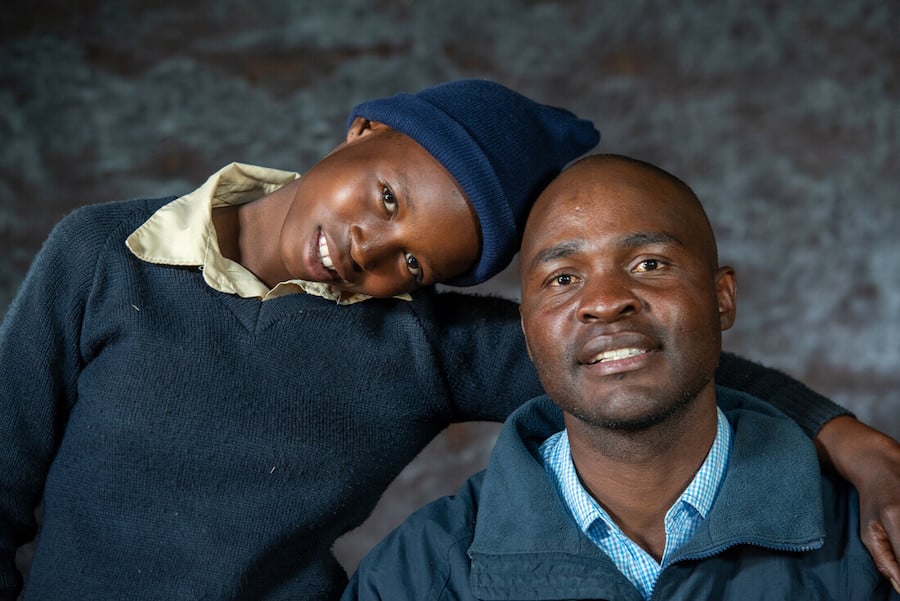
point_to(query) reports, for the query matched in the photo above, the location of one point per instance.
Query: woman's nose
(369, 245)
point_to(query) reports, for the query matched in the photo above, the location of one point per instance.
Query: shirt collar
(699, 494)
(182, 233)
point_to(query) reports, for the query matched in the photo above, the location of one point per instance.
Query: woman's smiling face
(380, 216)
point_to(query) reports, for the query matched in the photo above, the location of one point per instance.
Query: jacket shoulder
(426, 556)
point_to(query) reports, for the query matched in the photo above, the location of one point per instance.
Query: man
(640, 487)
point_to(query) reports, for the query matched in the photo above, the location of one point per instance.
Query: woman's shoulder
(90, 224)
(113, 211)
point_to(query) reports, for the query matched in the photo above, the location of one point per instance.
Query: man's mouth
(616, 354)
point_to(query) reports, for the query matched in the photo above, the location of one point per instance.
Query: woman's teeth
(323, 253)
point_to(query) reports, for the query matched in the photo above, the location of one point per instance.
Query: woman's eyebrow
(403, 189)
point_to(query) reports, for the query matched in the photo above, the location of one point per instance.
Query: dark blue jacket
(777, 530)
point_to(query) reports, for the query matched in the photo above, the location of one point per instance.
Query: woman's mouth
(324, 255)
(323, 266)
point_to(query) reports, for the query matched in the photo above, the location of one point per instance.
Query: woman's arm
(871, 461)
(479, 343)
(863, 456)
(39, 361)
(803, 405)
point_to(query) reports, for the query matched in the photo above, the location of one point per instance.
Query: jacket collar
(773, 464)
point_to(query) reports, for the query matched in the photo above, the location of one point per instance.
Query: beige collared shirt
(182, 233)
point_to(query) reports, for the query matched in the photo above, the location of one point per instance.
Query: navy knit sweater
(190, 444)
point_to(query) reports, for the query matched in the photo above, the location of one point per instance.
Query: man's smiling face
(622, 302)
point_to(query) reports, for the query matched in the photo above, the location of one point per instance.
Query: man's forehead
(577, 222)
(598, 210)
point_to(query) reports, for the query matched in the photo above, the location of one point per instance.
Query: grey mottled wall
(782, 115)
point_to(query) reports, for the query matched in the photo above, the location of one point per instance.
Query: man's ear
(361, 127)
(522, 325)
(726, 295)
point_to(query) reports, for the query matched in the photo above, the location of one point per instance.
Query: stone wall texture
(783, 116)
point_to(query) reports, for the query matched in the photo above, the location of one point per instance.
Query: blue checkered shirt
(681, 521)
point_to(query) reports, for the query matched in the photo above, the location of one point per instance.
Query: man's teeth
(323, 253)
(622, 353)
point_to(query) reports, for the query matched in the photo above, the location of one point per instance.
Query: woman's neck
(248, 234)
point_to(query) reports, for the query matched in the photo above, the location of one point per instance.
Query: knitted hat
(501, 147)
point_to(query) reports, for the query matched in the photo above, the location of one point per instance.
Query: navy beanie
(501, 147)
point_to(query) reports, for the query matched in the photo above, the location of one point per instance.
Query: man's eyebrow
(633, 240)
(557, 251)
(639, 239)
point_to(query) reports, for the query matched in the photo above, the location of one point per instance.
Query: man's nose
(607, 299)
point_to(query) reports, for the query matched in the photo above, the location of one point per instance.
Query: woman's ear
(361, 127)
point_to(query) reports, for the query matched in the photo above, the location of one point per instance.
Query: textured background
(784, 117)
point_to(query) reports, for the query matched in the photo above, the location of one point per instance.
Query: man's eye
(648, 265)
(412, 264)
(563, 280)
(387, 198)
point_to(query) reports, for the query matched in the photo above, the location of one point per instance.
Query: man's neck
(636, 476)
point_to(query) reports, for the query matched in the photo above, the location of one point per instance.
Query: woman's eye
(387, 198)
(412, 264)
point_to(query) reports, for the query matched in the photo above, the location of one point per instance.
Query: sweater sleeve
(39, 367)
(806, 407)
(479, 345)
